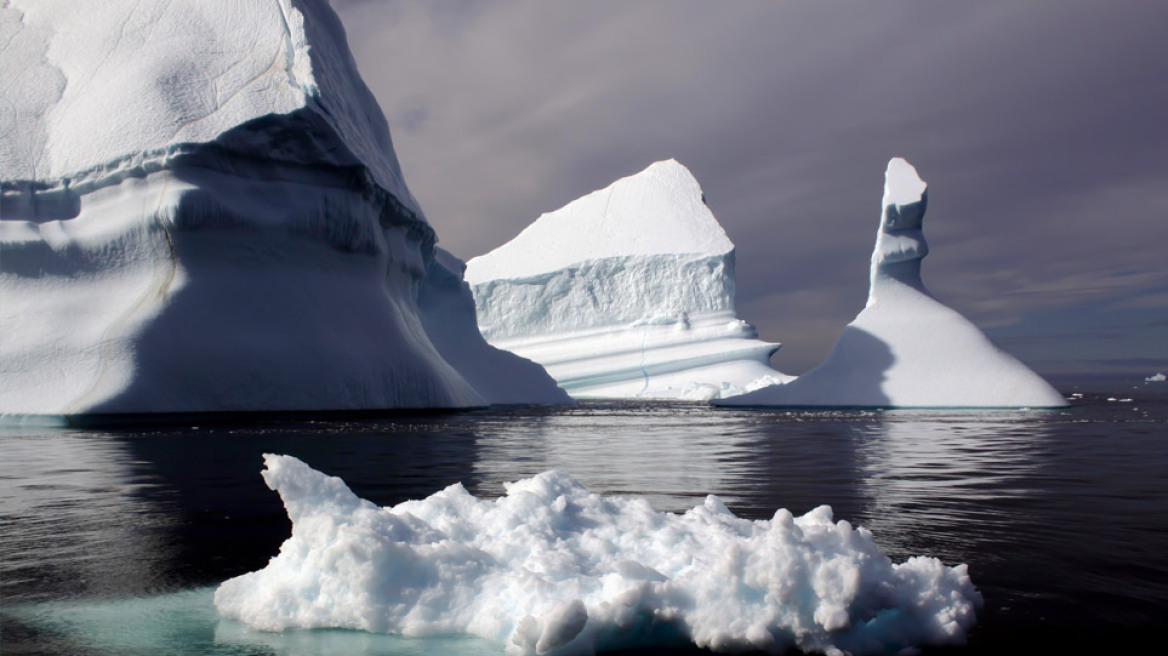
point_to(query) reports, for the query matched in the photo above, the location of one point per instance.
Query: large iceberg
(551, 568)
(906, 349)
(202, 211)
(626, 292)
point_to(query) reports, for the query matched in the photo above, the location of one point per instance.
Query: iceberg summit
(551, 568)
(906, 349)
(627, 292)
(202, 211)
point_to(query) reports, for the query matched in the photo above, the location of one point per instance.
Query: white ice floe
(553, 568)
(626, 292)
(1156, 378)
(906, 349)
(202, 211)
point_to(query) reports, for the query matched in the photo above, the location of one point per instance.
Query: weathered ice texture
(202, 211)
(448, 314)
(626, 292)
(551, 568)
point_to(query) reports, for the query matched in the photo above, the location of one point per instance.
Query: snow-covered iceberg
(202, 211)
(906, 349)
(553, 568)
(626, 292)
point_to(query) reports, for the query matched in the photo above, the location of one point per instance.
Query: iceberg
(202, 211)
(1156, 378)
(551, 568)
(627, 292)
(905, 348)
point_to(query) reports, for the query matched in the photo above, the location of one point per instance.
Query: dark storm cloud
(1039, 127)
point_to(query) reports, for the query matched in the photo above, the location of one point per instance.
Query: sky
(1041, 128)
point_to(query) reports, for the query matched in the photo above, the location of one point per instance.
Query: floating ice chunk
(1156, 378)
(907, 349)
(553, 568)
(625, 292)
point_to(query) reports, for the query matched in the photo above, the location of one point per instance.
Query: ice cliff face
(447, 310)
(626, 292)
(905, 348)
(202, 211)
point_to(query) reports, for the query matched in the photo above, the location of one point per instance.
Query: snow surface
(906, 349)
(126, 85)
(659, 211)
(551, 568)
(447, 310)
(202, 211)
(626, 292)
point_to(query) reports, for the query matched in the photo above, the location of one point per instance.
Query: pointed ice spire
(900, 241)
(906, 348)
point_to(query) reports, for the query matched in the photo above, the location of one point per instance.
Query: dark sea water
(112, 539)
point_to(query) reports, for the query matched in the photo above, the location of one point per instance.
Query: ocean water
(112, 539)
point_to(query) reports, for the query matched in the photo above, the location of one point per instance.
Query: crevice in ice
(289, 48)
(447, 311)
(644, 371)
(295, 56)
(165, 270)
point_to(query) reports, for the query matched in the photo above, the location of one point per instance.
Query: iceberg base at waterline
(553, 568)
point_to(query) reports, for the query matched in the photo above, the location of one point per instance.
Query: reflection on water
(940, 482)
(188, 622)
(1062, 516)
(673, 455)
(74, 518)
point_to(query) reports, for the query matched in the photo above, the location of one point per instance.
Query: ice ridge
(659, 211)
